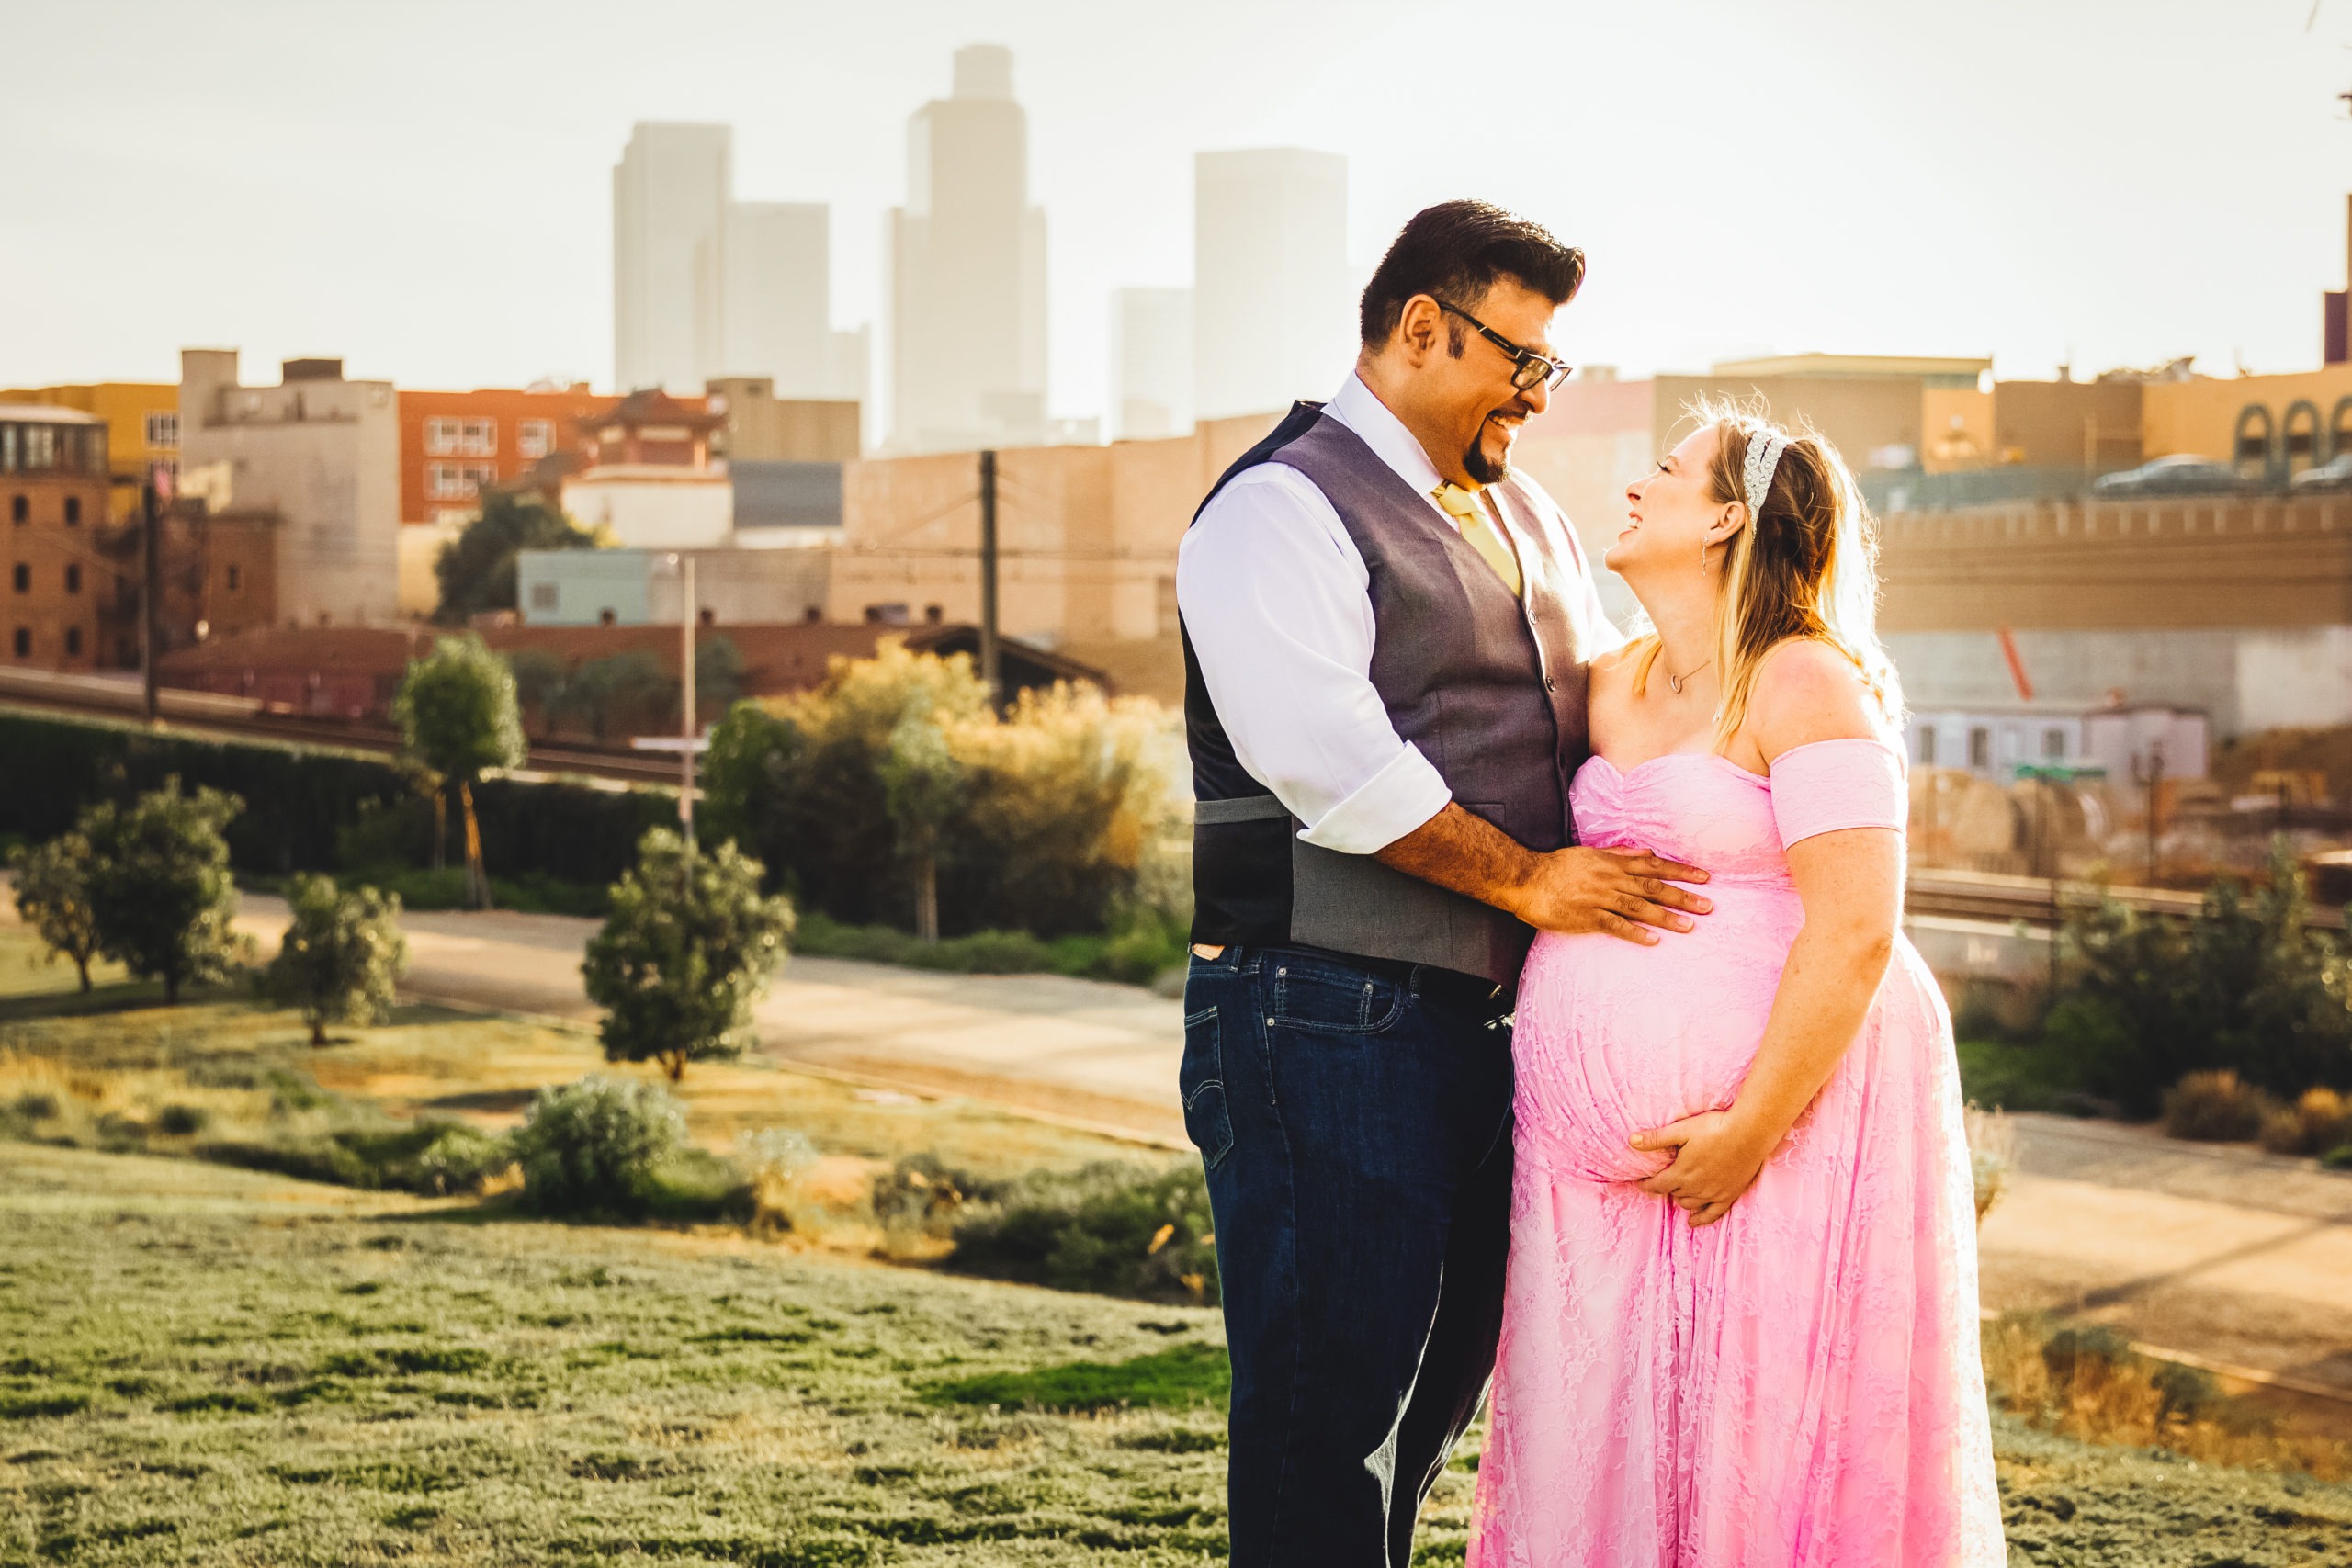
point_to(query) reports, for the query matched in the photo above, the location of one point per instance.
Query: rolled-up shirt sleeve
(1275, 599)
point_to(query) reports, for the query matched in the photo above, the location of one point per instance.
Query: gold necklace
(1674, 682)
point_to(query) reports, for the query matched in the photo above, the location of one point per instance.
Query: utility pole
(151, 638)
(2148, 772)
(686, 699)
(991, 673)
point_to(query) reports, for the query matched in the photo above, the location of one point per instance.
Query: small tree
(458, 719)
(160, 891)
(54, 896)
(923, 785)
(690, 945)
(342, 956)
(477, 570)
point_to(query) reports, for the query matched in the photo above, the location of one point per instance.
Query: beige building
(320, 453)
(762, 427)
(1087, 537)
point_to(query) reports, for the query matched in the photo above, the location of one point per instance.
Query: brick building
(54, 485)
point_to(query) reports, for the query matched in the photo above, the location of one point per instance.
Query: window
(2053, 745)
(73, 510)
(20, 509)
(236, 577)
(73, 579)
(546, 596)
(73, 641)
(448, 436)
(457, 481)
(1926, 745)
(164, 431)
(479, 438)
(24, 642)
(24, 578)
(535, 437)
(440, 437)
(1980, 747)
(41, 445)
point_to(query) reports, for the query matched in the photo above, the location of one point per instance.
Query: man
(1385, 634)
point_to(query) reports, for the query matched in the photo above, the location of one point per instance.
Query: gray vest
(1489, 689)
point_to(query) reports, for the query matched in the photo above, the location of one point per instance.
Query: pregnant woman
(1740, 1328)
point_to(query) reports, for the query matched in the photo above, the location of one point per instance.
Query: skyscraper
(1273, 311)
(670, 193)
(1152, 362)
(967, 260)
(777, 298)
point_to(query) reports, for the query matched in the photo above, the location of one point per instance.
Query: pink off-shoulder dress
(1798, 1384)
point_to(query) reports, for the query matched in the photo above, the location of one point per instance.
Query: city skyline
(2104, 185)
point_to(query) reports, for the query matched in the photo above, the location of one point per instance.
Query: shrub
(2315, 1123)
(921, 1193)
(341, 955)
(2339, 1158)
(2215, 1108)
(689, 946)
(2245, 986)
(1111, 1229)
(1062, 812)
(594, 1145)
(182, 1120)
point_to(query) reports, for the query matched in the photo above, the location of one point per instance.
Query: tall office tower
(669, 193)
(968, 259)
(1152, 362)
(777, 296)
(1273, 315)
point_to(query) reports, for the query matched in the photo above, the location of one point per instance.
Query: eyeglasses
(1529, 368)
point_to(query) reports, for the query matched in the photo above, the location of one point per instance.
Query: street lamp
(688, 741)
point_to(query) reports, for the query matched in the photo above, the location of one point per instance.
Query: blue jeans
(1354, 1117)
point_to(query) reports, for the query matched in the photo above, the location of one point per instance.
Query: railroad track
(201, 715)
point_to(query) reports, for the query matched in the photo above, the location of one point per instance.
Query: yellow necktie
(1479, 532)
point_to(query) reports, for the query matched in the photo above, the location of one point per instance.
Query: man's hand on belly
(1627, 893)
(1716, 1157)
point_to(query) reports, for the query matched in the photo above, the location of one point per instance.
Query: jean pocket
(1201, 1080)
(1334, 998)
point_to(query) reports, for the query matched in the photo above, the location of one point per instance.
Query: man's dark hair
(1455, 252)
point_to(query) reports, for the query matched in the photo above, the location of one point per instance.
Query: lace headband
(1764, 451)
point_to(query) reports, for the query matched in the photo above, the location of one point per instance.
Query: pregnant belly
(1613, 1038)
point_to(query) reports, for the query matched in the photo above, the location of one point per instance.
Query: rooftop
(45, 414)
(1854, 365)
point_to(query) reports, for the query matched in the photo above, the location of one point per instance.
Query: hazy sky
(424, 188)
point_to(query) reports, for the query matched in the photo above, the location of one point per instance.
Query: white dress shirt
(1278, 603)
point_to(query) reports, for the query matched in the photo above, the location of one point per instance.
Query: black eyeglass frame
(1551, 378)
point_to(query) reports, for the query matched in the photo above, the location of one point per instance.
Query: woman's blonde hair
(1805, 566)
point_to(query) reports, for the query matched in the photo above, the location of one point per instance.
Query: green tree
(342, 956)
(160, 890)
(477, 568)
(458, 719)
(925, 787)
(619, 690)
(53, 897)
(690, 945)
(539, 678)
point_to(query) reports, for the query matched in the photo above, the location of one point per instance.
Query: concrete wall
(2246, 678)
(324, 455)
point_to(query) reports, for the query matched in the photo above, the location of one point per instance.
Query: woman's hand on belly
(1716, 1157)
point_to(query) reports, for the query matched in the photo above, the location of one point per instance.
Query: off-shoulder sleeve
(1830, 785)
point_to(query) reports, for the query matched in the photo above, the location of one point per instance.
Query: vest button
(1549, 684)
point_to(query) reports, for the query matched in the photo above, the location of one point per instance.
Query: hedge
(300, 799)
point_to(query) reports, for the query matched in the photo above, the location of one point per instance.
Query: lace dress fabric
(1798, 1384)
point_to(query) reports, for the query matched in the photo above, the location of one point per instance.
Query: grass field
(204, 1364)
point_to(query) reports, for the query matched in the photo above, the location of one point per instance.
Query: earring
(1702, 558)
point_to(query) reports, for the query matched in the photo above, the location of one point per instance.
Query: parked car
(2181, 474)
(2333, 475)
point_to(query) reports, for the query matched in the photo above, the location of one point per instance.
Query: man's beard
(1478, 466)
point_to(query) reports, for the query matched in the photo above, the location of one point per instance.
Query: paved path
(2240, 1257)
